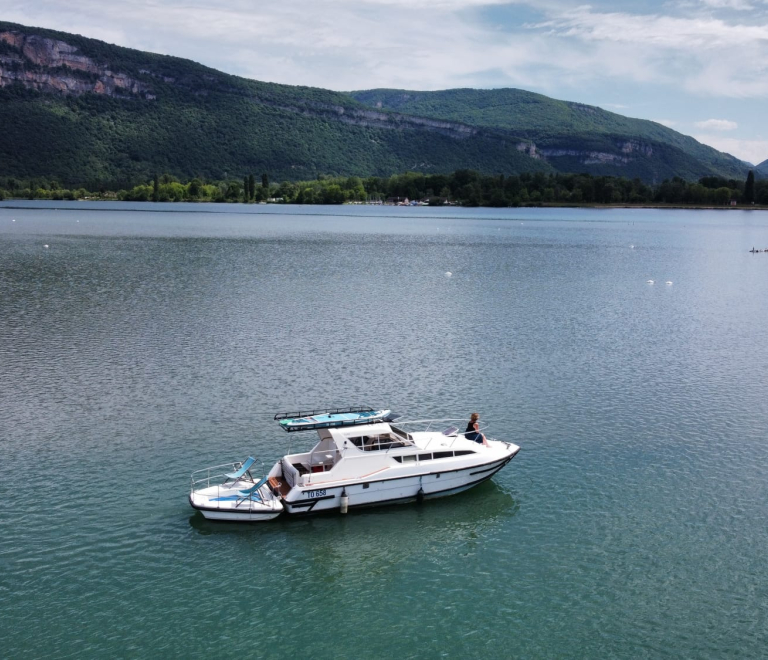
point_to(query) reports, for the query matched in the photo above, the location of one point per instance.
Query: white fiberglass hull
(217, 503)
(395, 488)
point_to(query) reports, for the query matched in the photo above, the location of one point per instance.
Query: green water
(141, 345)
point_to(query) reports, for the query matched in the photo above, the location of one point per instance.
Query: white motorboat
(360, 462)
(363, 457)
(230, 492)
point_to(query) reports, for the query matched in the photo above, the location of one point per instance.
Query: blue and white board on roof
(325, 419)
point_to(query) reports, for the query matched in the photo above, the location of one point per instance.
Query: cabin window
(425, 457)
(409, 459)
(400, 433)
(442, 454)
(463, 452)
(378, 442)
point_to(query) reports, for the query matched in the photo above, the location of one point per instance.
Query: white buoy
(14, 220)
(448, 273)
(668, 282)
(632, 246)
(650, 281)
(45, 246)
(344, 501)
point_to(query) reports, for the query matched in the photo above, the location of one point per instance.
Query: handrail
(430, 422)
(229, 489)
(197, 480)
(323, 411)
(234, 466)
(270, 500)
(437, 419)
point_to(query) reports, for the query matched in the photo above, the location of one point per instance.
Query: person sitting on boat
(473, 430)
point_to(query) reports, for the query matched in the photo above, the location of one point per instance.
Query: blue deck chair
(235, 476)
(252, 494)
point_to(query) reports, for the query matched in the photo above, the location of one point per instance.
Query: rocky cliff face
(373, 118)
(55, 66)
(625, 149)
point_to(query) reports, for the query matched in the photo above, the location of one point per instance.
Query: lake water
(149, 341)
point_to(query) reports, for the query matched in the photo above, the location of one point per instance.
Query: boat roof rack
(323, 411)
(303, 423)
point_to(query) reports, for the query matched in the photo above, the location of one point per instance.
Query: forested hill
(762, 170)
(573, 137)
(82, 111)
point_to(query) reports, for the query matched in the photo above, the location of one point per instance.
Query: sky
(697, 66)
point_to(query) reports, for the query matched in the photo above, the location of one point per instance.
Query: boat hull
(241, 516)
(397, 490)
(216, 505)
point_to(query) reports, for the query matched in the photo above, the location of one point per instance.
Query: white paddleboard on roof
(330, 418)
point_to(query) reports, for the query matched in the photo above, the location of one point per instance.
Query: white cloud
(701, 54)
(428, 44)
(739, 5)
(751, 151)
(652, 29)
(717, 125)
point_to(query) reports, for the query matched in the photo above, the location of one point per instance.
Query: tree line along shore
(463, 187)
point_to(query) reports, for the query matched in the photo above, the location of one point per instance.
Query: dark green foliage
(560, 128)
(749, 188)
(465, 187)
(204, 124)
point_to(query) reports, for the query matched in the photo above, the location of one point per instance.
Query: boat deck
(279, 486)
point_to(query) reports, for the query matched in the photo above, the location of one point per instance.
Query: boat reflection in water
(371, 540)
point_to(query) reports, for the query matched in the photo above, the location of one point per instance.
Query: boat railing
(427, 425)
(323, 411)
(214, 476)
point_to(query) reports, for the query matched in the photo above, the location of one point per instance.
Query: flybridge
(309, 420)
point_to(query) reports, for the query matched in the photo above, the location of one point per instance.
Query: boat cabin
(340, 450)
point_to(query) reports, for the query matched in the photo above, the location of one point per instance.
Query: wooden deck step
(279, 486)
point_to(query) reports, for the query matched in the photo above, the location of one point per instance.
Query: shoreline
(669, 207)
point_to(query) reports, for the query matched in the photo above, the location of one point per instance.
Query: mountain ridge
(80, 109)
(557, 128)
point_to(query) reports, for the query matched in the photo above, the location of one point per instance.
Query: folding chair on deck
(236, 476)
(252, 494)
